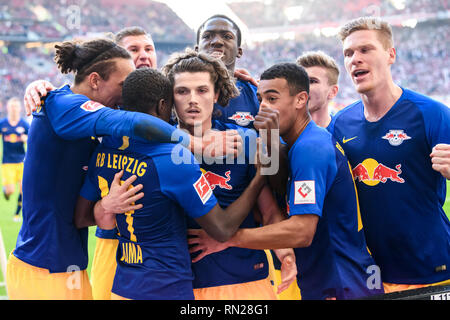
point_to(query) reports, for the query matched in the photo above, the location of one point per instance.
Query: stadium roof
(194, 12)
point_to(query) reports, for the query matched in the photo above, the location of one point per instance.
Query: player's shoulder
(314, 143)
(64, 96)
(348, 114)
(347, 111)
(23, 122)
(424, 103)
(245, 85)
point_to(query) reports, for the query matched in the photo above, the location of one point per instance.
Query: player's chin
(143, 65)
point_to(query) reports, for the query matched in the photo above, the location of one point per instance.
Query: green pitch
(10, 229)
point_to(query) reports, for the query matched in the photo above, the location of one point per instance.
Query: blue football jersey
(401, 196)
(240, 110)
(228, 181)
(321, 183)
(153, 260)
(59, 149)
(13, 146)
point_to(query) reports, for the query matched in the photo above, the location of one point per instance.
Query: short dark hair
(221, 16)
(144, 88)
(295, 75)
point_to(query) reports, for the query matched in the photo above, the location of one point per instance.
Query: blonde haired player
(323, 73)
(391, 137)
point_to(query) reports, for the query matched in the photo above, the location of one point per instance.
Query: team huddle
(168, 164)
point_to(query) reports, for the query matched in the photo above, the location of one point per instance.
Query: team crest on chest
(396, 137)
(242, 118)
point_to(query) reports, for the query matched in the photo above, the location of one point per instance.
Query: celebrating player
(233, 273)
(59, 148)
(153, 258)
(388, 137)
(221, 37)
(324, 225)
(323, 75)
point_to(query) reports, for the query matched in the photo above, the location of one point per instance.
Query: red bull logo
(370, 172)
(242, 118)
(215, 179)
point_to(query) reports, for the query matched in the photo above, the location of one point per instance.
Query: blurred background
(273, 31)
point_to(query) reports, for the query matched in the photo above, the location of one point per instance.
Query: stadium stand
(28, 30)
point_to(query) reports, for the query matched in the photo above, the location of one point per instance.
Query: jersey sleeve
(90, 191)
(74, 116)
(310, 171)
(185, 184)
(437, 122)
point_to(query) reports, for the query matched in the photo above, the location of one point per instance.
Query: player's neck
(321, 117)
(296, 130)
(80, 89)
(197, 130)
(13, 121)
(379, 101)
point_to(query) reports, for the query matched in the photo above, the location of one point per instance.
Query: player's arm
(200, 242)
(296, 232)
(270, 214)
(440, 159)
(79, 118)
(33, 94)
(437, 127)
(267, 123)
(243, 74)
(220, 223)
(120, 199)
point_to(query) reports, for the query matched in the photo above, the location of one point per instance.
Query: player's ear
(93, 80)
(239, 52)
(301, 99)
(163, 110)
(392, 55)
(333, 92)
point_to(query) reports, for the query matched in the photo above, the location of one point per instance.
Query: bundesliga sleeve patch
(305, 192)
(91, 106)
(203, 189)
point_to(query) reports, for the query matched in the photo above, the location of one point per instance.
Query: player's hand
(122, 196)
(215, 143)
(440, 159)
(33, 94)
(288, 268)
(243, 74)
(202, 242)
(267, 123)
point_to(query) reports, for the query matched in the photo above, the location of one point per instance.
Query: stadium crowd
(68, 18)
(425, 69)
(270, 13)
